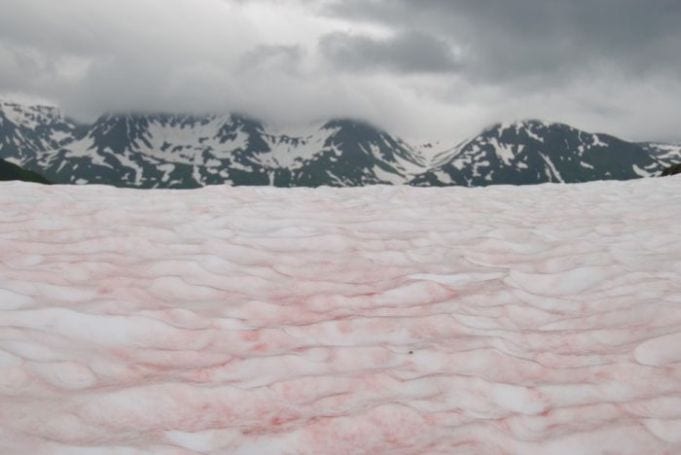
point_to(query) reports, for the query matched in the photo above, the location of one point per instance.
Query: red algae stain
(344, 326)
(104, 291)
(283, 419)
(251, 335)
(261, 347)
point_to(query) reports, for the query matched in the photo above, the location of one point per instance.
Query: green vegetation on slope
(9, 171)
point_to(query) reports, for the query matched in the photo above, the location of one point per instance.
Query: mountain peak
(533, 151)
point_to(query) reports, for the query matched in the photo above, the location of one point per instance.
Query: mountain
(9, 171)
(532, 151)
(190, 151)
(187, 151)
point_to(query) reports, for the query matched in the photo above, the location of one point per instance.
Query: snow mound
(529, 320)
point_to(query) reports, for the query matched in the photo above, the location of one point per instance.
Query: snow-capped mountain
(186, 151)
(532, 151)
(189, 151)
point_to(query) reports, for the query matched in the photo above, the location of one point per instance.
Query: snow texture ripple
(535, 320)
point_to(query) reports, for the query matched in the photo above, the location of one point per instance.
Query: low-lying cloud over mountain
(432, 68)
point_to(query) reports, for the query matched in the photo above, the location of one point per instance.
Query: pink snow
(534, 320)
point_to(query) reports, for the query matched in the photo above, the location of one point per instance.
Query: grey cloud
(426, 68)
(406, 52)
(267, 58)
(529, 38)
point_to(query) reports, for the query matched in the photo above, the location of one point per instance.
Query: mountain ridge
(147, 150)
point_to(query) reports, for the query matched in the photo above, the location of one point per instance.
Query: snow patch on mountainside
(597, 142)
(534, 135)
(503, 151)
(291, 149)
(642, 172)
(554, 172)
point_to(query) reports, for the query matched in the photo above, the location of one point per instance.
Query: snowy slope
(533, 320)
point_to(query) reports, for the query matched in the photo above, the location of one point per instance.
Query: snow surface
(533, 320)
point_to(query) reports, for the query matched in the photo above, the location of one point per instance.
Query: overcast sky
(426, 69)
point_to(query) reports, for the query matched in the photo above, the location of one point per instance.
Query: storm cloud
(426, 70)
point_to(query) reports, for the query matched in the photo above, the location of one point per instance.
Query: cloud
(545, 38)
(273, 58)
(406, 52)
(426, 69)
